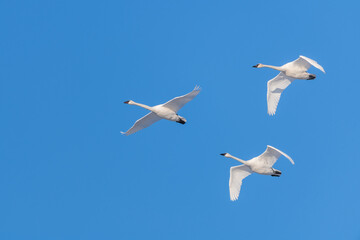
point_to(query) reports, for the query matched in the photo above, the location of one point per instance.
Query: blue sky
(66, 172)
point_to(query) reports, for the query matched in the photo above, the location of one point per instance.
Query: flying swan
(261, 164)
(163, 111)
(288, 73)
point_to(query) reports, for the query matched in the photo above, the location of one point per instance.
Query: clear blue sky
(66, 172)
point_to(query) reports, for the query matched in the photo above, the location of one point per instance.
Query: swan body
(166, 111)
(261, 164)
(288, 73)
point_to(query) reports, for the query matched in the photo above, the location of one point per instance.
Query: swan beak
(222, 154)
(127, 102)
(255, 66)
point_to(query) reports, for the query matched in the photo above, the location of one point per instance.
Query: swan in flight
(167, 111)
(261, 164)
(288, 73)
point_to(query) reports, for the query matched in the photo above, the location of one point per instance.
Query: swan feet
(181, 121)
(311, 77)
(276, 173)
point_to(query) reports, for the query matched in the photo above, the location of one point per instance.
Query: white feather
(261, 165)
(166, 111)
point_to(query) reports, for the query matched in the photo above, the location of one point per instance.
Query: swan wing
(270, 156)
(142, 123)
(304, 63)
(178, 102)
(274, 89)
(237, 174)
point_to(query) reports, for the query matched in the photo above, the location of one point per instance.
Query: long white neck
(270, 66)
(237, 159)
(140, 105)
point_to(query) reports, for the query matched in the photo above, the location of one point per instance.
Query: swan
(288, 73)
(167, 111)
(261, 164)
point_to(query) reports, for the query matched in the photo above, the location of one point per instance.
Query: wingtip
(127, 102)
(123, 133)
(319, 66)
(322, 69)
(270, 113)
(284, 154)
(222, 154)
(233, 199)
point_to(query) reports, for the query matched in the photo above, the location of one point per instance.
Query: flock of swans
(262, 164)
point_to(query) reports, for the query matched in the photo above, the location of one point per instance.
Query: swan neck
(238, 159)
(272, 67)
(141, 105)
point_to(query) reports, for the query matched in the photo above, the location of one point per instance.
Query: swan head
(225, 154)
(259, 65)
(181, 120)
(129, 102)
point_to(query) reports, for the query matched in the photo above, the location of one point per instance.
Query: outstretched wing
(304, 63)
(178, 102)
(271, 155)
(142, 123)
(274, 89)
(237, 174)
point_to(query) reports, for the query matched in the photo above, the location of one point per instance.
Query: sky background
(66, 172)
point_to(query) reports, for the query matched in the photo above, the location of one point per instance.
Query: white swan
(163, 111)
(261, 164)
(288, 73)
